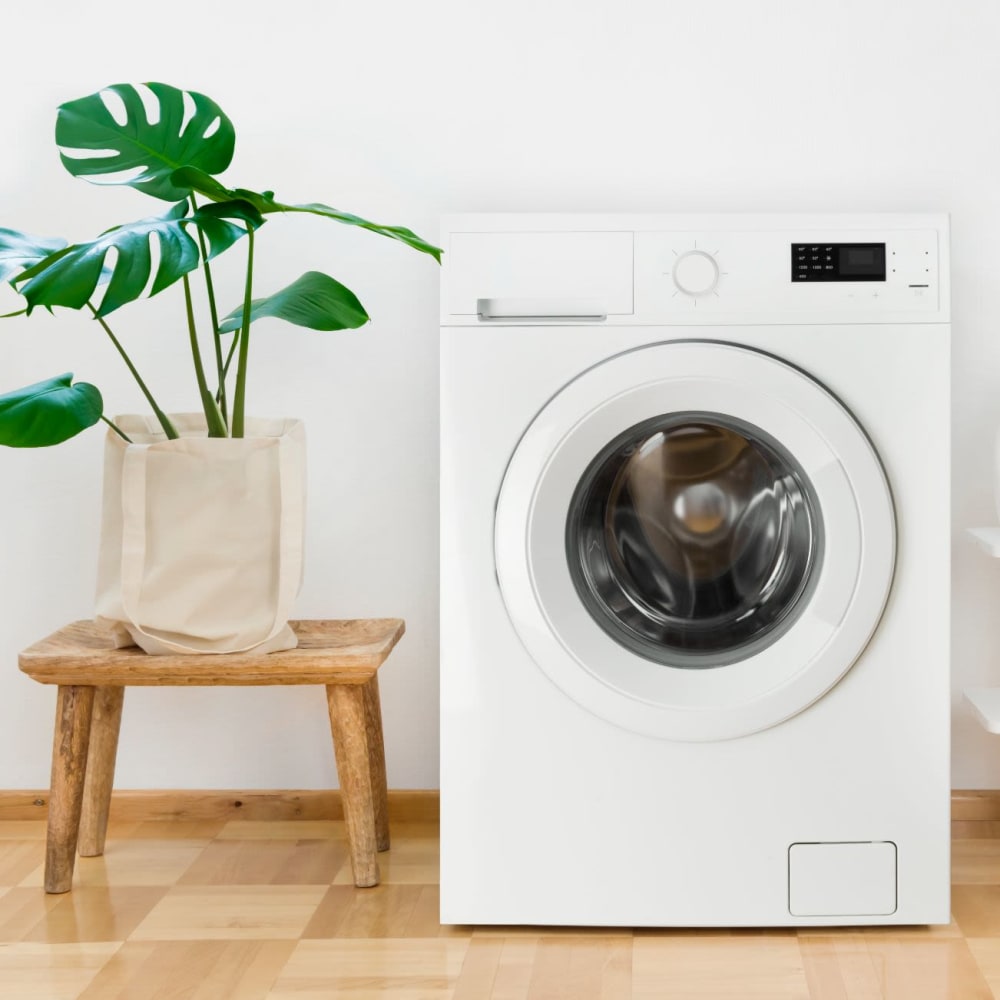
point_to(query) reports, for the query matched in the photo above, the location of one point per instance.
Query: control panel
(803, 274)
(703, 270)
(824, 261)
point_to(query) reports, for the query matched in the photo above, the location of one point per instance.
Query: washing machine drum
(695, 540)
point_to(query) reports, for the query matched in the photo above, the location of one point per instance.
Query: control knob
(696, 273)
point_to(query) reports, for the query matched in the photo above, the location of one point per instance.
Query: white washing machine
(695, 570)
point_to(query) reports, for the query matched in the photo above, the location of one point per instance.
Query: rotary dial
(696, 273)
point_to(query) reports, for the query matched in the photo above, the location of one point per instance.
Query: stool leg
(350, 745)
(104, 729)
(376, 754)
(74, 707)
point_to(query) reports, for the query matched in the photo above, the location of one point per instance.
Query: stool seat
(92, 674)
(329, 652)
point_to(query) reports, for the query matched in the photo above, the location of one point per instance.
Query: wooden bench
(92, 676)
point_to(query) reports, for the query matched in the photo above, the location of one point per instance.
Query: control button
(696, 273)
(817, 267)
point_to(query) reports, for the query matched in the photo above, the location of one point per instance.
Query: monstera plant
(171, 145)
(203, 516)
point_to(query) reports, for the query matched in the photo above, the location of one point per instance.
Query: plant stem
(240, 395)
(116, 429)
(168, 427)
(220, 394)
(229, 356)
(213, 416)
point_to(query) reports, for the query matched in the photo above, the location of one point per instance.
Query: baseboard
(141, 806)
(973, 813)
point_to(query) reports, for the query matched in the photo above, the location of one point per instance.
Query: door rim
(622, 687)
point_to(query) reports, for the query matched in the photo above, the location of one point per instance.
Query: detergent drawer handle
(575, 309)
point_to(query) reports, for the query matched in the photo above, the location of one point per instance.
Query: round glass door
(694, 540)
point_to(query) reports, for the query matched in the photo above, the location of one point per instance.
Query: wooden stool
(92, 676)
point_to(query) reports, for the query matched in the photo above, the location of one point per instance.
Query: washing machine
(695, 570)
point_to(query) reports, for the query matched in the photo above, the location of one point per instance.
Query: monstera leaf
(400, 233)
(315, 301)
(70, 276)
(19, 251)
(141, 153)
(48, 412)
(200, 181)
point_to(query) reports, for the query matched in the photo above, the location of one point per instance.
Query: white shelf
(985, 705)
(988, 539)
(984, 702)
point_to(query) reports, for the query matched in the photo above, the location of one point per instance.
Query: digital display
(838, 261)
(867, 261)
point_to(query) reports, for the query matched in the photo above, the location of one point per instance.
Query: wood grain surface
(209, 805)
(83, 659)
(329, 652)
(354, 771)
(245, 909)
(104, 730)
(71, 739)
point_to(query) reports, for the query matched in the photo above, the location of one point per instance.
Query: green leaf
(315, 301)
(197, 180)
(48, 412)
(214, 218)
(400, 233)
(70, 276)
(264, 202)
(19, 251)
(139, 153)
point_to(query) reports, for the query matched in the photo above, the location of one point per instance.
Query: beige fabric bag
(202, 538)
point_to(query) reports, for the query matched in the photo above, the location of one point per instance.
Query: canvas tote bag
(202, 538)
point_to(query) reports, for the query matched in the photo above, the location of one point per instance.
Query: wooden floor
(265, 910)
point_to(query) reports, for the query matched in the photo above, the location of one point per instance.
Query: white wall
(402, 111)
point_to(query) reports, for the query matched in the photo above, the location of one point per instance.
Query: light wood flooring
(265, 910)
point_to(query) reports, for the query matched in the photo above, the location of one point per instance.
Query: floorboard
(251, 909)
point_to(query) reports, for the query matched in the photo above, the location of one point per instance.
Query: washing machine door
(695, 540)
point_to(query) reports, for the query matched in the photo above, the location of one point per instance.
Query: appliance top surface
(652, 221)
(694, 269)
